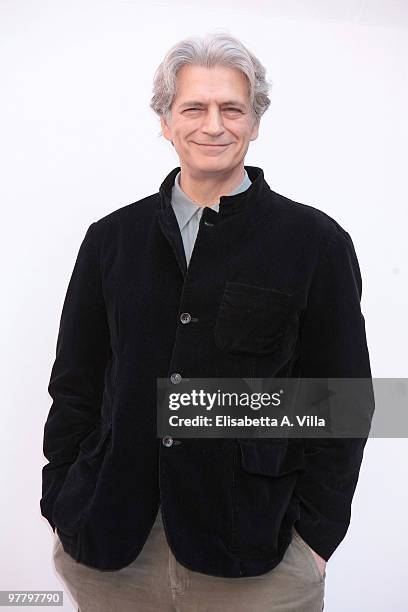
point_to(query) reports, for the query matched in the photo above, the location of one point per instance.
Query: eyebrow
(197, 103)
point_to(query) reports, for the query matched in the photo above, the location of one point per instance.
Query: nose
(213, 122)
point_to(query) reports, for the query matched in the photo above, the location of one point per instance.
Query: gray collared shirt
(188, 213)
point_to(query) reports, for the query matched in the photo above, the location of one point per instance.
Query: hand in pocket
(321, 563)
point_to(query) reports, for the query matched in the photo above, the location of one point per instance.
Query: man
(216, 275)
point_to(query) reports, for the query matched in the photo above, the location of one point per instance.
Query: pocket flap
(271, 457)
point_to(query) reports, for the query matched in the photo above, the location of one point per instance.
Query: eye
(230, 108)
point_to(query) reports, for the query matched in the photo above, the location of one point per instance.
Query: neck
(206, 188)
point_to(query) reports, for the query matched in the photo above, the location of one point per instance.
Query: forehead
(218, 83)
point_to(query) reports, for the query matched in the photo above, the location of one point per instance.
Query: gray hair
(214, 49)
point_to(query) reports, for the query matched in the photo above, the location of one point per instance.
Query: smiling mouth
(203, 144)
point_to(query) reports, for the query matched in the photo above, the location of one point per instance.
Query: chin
(212, 161)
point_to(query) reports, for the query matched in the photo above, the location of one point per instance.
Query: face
(211, 123)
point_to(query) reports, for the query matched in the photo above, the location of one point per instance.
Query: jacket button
(175, 378)
(185, 317)
(167, 441)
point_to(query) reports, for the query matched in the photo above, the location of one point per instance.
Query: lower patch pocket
(271, 457)
(78, 489)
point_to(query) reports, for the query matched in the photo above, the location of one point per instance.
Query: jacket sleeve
(77, 376)
(333, 345)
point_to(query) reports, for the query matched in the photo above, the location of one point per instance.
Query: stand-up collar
(229, 204)
(185, 208)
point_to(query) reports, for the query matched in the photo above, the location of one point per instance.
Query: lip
(212, 146)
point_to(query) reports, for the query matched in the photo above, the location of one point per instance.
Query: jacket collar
(184, 208)
(229, 204)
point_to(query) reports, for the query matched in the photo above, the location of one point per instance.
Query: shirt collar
(184, 208)
(230, 205)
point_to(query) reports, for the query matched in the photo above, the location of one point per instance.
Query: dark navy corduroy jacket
(273, 289)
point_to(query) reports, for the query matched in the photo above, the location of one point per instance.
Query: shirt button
(167, 441)
(175, 378)
(185, 317)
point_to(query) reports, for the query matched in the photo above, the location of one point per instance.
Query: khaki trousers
(156, 582)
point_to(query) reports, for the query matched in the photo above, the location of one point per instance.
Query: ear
(255, 130)
(165, 128)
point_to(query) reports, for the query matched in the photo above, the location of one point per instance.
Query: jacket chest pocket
(251, 319)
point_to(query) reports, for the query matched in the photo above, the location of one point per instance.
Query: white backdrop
(78, 140)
